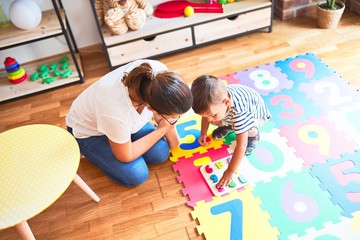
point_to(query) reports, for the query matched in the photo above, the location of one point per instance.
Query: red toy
(176, 8)
(16, 74)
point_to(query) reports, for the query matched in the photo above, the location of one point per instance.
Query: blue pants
(98, 151)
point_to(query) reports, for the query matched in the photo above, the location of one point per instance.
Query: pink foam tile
(230, 79)
(316, 139)
(195, 186)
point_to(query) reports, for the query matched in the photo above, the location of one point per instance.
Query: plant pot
(329, 18)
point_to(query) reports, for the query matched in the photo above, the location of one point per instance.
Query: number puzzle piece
(315, 114)
(219, 165)
(271, 157)
(290, 106)
(208, 169)
(265, 79)
(211, 179)
(297, 203)
(195, 186)
(230, 79)
(188, 129)
(304, 68)
(232, 217)
(242, 179)
(214, 178)
(341, 177)
(347, 120)
(343, 230)
(319, 137)
(331, 93)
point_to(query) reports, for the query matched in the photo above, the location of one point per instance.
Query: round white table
(37, 164)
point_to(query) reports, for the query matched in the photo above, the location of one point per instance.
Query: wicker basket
(329, 18)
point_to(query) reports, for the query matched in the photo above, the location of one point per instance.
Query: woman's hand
(170, 131)
(162, 123)
(157, 118)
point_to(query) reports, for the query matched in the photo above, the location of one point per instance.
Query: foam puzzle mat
(304, 175)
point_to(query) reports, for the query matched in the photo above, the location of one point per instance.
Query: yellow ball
(188, 11)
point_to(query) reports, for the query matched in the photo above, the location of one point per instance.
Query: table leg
(25, 231)
(86, 188)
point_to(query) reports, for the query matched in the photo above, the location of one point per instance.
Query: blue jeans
(98, 151)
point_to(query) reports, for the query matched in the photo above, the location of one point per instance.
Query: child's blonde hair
(207, 90)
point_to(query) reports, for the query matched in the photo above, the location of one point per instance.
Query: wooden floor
(157, 209)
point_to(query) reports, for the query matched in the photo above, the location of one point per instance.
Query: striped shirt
(246, 106)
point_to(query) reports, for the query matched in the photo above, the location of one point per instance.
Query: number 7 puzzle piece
(235, 216)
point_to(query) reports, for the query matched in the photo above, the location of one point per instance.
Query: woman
(111, 119)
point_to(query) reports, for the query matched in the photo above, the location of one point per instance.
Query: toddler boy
(232, 108)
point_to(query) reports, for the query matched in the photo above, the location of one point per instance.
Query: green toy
(56, 72)
(44, 73)
(64, 65)
(53, 66)
(48, 80)
(35, 76)
(43, 67)
(64, 59)
(66, 73)
(52, 69)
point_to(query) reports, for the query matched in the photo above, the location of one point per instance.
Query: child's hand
(204, 140)
(225, 179)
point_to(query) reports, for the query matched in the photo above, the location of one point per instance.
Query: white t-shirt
(105, 107)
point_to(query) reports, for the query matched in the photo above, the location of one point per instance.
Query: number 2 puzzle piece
(331, 93)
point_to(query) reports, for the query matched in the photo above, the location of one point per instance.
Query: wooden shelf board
(10, 91)
(156, 25)
(49, 26)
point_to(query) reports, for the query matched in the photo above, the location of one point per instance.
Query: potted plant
(329, 13)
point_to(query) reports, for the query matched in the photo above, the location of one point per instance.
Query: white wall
(82, 22)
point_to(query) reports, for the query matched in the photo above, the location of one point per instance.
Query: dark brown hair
(164, 91)
(207, 90)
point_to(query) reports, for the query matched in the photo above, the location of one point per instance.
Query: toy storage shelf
(11, 91)
(53, 24)
(49, 27)
(161, 36)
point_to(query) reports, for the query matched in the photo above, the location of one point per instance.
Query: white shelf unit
(161, 36)
(53, 24)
